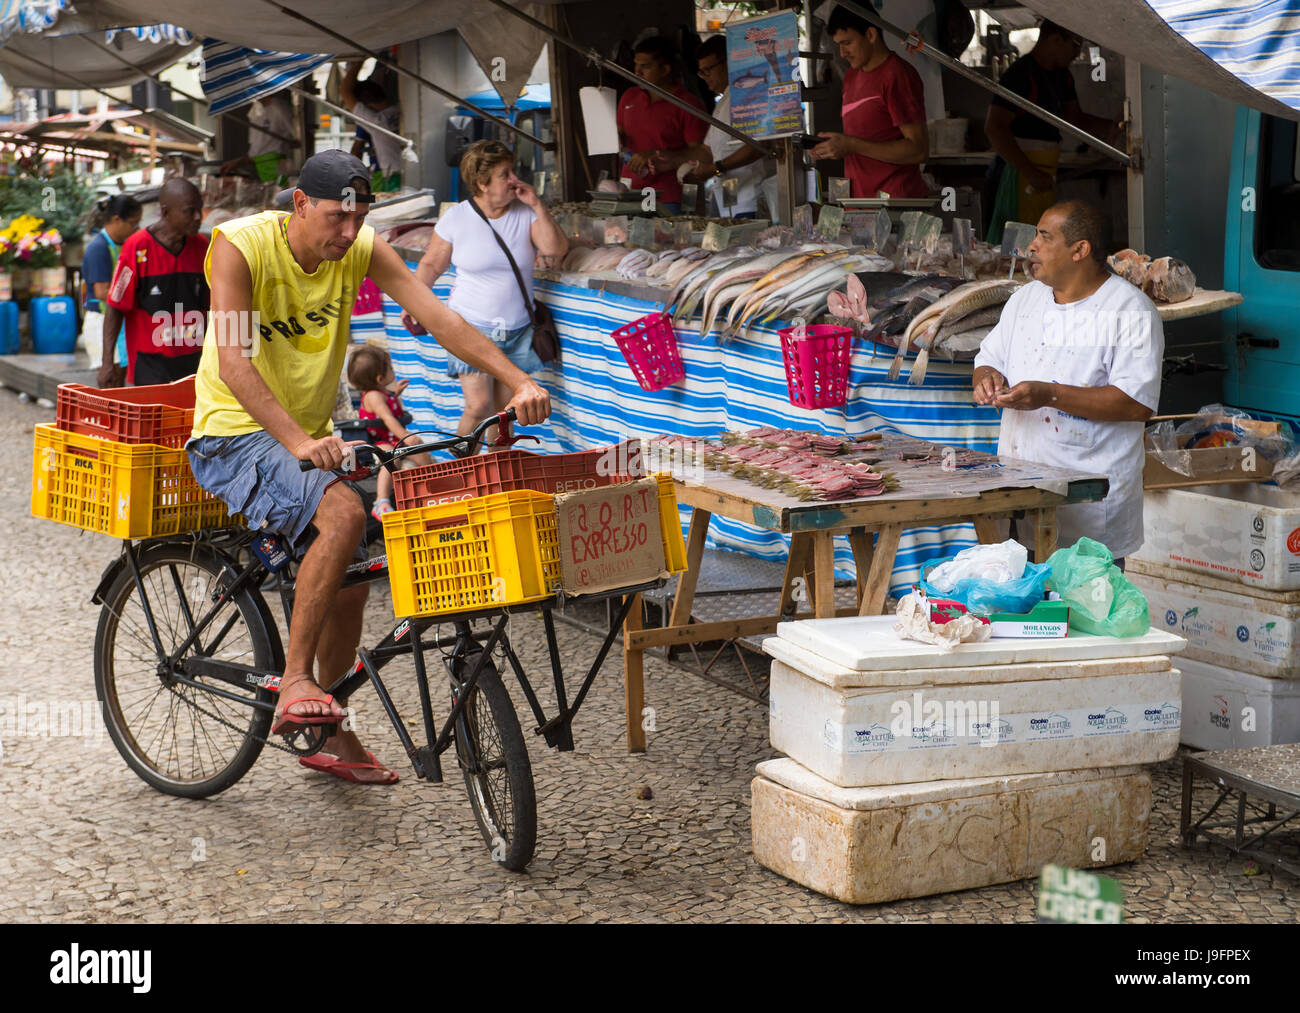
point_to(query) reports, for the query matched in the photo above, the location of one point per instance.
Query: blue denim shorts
(255, 476)
(517, 346)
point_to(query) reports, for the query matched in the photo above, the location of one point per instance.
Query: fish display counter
(915, 334)
(732, 382)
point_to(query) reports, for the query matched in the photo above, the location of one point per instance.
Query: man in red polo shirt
(657, 135)
(883, 111)
(160, 290)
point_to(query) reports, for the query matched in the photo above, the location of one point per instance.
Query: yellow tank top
(300, 334)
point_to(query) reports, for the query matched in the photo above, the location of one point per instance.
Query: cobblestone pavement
(87, 840)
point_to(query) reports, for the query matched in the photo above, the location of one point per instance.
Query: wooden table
(932, 491)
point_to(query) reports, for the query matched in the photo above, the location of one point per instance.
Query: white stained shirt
(388, 150)
(748, 176)
(1112, 338)
(486, 293)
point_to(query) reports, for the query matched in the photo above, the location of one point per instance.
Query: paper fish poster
(763, 72)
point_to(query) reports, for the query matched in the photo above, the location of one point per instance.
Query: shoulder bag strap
(523, 290)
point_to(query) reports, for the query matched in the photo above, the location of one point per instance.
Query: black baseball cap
(332, 175)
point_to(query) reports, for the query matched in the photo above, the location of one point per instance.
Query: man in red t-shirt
(883, 111)
(656, 135)
(160, 290)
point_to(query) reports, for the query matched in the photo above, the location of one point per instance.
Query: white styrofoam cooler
(1216, 702)
(1248, 630)
(875, 735)
(869, 845)
(869, 644)
(1245, 532)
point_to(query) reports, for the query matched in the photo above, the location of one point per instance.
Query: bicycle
(188, 661)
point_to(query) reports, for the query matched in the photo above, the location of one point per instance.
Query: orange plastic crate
(118, 489)
(510, 470)
(162, 414)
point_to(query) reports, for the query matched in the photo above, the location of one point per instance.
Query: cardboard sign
(610, 537)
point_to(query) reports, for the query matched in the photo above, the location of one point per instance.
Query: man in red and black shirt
(883, 111)
(160, 290)
(657, 135)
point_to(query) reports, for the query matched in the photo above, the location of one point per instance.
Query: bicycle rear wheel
(182, 740)
(494, 760)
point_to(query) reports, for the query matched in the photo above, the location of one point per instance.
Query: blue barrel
(8, 328)
(54, 324)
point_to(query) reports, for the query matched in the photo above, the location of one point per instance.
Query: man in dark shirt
(160, 291)
(1026, 144)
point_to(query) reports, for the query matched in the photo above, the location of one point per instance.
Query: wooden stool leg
(684, 599)
(986, 530)
(1044, 534)
(796, 565)
(882, 569)
(824, 574)
(633, 679)
(860, 543)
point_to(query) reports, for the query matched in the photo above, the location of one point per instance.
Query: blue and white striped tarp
(596, 401)
(235, 75)
(1257, 41)
(29, 16)
(156, 34)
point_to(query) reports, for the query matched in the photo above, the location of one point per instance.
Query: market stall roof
(1246, 52)
(115, 130)
(96, 59)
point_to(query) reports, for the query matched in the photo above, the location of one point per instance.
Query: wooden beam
(633, 678)
(684, 599)
(824, 573)
(725, 629)
(882, 568)
(860, 543)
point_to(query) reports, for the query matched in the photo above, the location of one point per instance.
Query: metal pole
(353, 47)
(595, 57)
(957, 67)
(352, 116)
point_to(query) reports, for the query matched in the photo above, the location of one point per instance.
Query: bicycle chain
(234, 727)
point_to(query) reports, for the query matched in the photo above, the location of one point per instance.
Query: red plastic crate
(817, 364)
(161, 414)
(513, 470)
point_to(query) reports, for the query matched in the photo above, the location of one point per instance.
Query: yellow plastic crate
(501, 549)
(119, 489)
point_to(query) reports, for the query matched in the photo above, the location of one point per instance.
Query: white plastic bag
(997, 563)
(92, 337)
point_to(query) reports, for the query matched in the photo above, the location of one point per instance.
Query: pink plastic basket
(650, 347)
(369, 298)
(817, 364)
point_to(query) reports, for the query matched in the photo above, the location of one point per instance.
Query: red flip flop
(289, 723)
(327, 764)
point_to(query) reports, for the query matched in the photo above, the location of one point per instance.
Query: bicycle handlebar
(461, 446)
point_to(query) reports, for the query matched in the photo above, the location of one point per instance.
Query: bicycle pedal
(310, 740)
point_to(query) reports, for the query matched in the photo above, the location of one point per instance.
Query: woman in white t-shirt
(486, 293)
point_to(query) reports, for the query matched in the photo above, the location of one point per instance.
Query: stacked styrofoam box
(1245, 532)
(1024, 753)
(1241, 668)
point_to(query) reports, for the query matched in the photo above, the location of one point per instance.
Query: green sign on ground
(1072, 897)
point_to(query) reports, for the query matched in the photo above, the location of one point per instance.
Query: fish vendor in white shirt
(1074, 363)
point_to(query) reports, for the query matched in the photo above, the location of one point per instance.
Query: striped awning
(234, 75)
(156, 34)
(29, 16)
(1257, 42)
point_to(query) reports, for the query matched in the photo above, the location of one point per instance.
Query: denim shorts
(255, 476)
(517, 346)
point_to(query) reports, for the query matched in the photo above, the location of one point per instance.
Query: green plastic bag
(1101, 599)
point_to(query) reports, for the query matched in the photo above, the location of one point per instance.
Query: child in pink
(370, 371)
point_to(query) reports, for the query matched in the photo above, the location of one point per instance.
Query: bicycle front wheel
(494, 760)
(182, 740)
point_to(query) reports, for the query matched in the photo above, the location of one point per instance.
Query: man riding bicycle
(283, 287)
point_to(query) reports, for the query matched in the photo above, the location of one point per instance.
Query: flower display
(24, 243)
